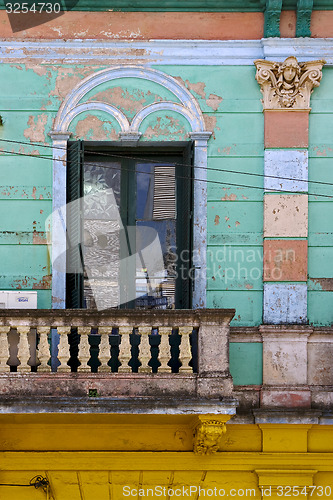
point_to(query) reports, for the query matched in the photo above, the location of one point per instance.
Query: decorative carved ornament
(207, 435)
(288, 85)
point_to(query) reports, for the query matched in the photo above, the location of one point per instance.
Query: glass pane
(101, 228)
(155, 235)
(156, 264)
(144, 191)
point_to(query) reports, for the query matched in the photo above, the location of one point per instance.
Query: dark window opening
(129, 226)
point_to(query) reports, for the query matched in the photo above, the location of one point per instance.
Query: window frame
(184, 201)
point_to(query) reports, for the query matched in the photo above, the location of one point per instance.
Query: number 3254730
(24, 8)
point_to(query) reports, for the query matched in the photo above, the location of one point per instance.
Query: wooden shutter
(74, 281)
(164, 192)
(184, 174)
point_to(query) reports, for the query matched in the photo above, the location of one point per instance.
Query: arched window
(145, 172)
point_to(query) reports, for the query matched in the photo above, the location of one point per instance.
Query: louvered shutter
(74, 282)
(164, 193)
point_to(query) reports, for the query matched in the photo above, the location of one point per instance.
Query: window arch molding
(72, 106)
(189, 106)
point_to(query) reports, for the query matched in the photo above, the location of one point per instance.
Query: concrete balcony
(181, 354)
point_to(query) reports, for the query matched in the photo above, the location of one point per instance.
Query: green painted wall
(230, 99)
(320, 254)
(246, 363)
(26, 181)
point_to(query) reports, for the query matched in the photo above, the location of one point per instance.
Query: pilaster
(286, 89)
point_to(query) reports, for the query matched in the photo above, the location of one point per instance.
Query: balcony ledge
(133, 406)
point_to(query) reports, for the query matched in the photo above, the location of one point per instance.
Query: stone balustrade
(116, 342)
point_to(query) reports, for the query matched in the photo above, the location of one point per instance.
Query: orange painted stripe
(288, 24)
(286, 129)
(322, 24)
(138, 25)
(285, 260)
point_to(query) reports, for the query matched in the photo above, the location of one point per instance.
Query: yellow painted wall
(96, 456)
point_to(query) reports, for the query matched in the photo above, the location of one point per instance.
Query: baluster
(4, 348)
(185, 354)
(43, 349)
(84, 348)
(63, 348)
(23, 349)
(164, 355)
(104, 349)
(145, 354)
(125, 349)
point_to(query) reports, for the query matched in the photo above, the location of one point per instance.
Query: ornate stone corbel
(207, 435)
(288, 85)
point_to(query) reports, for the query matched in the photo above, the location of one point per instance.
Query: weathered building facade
(210, 126)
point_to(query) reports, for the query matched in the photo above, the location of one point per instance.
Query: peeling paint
(227, 149)
(39, 69)
(36, 130)
(217, 220)
(122, 98)
(198, 88)
(326, 284)
(49, 103)
(17, 66)
(230, 197)
(67, 78)
(43, 284)
(92, 128)
(210, 122)
(173, 127)
(39, 238)
(214, 101)
(320, 152)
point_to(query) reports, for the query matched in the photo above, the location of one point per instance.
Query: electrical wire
(207, 181)
(210, 169)
(36, 482)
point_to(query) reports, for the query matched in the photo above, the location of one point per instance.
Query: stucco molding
(194, 120)
(163, 52)
(113, 52)
(305, 49)
(288, 85)
(94, 106)
(189, 106)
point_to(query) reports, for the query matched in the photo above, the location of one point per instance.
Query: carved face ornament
(289, 74)
(288, 79)
(288, 84)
